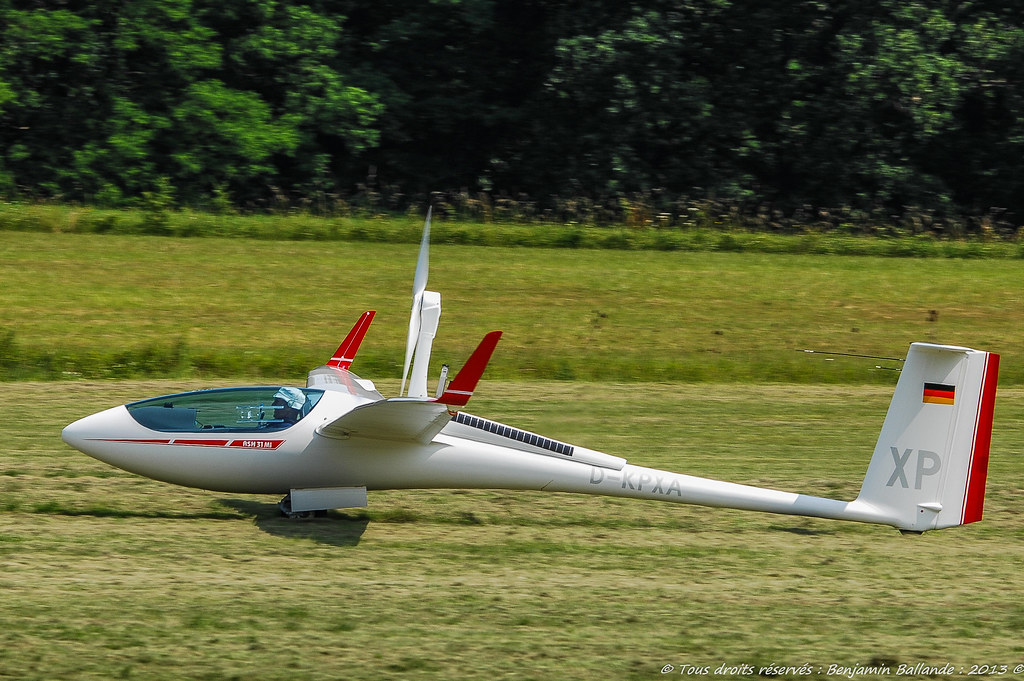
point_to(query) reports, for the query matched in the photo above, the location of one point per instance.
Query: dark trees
(824, 102)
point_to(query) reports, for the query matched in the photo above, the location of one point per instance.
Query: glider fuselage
(281, 460)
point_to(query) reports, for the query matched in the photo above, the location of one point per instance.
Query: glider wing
(410, 418)
(395, 419)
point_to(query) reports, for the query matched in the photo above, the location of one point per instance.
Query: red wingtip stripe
(346, 352)
(974, 496)
(462, 386)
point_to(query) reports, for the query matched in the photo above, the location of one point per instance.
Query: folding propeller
(423, 321)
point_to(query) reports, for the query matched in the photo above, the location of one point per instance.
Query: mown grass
(107, 575)
(108, 306)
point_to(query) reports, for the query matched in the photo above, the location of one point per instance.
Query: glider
(324, 445)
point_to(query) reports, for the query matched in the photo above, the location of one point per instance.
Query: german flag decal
(938, 393)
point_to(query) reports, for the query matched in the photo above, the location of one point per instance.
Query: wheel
(285, 505)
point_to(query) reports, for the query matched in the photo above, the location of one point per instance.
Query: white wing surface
(400, 419)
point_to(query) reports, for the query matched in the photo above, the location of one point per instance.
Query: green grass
(690, 361)
(107, 575)
(102, 306)
(709, 233)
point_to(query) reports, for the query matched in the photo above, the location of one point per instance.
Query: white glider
(325, 445)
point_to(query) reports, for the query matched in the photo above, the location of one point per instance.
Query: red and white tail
(930, 465)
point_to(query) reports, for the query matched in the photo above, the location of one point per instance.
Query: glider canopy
(226, 410)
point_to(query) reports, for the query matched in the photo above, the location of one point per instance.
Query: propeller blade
(419, 284)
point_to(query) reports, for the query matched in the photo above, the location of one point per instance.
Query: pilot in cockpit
(288, 403)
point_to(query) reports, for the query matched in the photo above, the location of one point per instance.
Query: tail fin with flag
(930, 464)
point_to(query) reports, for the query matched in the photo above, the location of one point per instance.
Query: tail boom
(649, 483)
(928, 470)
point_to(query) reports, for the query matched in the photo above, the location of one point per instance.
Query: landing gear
(286, 510)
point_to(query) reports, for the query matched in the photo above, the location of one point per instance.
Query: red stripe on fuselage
(201, 443)
(133, 440)
(974, 496)
(253, 443)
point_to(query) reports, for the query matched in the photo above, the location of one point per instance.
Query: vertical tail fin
(930, 465)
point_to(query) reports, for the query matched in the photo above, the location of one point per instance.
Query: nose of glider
(77, 434)
(87, 433)
(74, 433)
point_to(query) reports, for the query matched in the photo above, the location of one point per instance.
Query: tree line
(882, 107)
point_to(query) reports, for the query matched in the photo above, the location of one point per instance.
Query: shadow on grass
(336, 529)
(803, 531)
(57, 508)
(346, 528)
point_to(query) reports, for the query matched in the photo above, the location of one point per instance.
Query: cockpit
(227, 410)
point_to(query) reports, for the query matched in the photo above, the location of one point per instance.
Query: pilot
(288, 406)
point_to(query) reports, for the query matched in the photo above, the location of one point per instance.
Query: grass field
(691, 366)
(703, 231)
(107, 575)
(117, 306)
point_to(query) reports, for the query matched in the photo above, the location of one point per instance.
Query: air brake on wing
(491, 432)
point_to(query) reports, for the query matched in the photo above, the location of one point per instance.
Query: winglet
(461, 388)
(346, 352)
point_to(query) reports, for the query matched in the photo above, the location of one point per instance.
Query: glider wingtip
(461, 388)
(346, 352)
